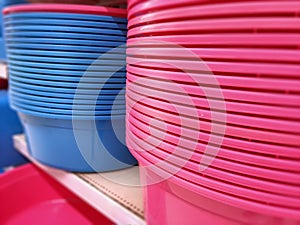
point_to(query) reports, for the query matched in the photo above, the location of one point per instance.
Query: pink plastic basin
(167, 113)
(206, 114)
(195, 207)
(243, 96)
(201, 103)
(242, 25)
(262, 69)
(225, 54)
(175, 155)
(211, 191)
(259, 8)
(175, 137)
(182, 148)
(203, 137)
(29, 196)
(69, 8)
(274, 40)
(167, 10)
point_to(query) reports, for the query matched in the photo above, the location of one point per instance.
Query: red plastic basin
(30, 196)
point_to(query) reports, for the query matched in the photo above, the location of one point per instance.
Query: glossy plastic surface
(61, 150)
(31, 196)
(65, 16)
(76, 23)
(194, 206)
(220, 10)
(69, 8)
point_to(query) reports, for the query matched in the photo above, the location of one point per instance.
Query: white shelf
(122, 204)
(3, 70)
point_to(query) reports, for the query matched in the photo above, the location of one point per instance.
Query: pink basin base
(155, 174)
(195, 208)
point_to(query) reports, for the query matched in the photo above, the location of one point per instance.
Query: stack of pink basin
(213, 110)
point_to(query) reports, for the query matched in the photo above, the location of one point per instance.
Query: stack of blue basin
(68, 91)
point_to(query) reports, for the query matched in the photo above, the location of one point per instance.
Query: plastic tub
(235, 67)
(227, 54)
(67, 35)
(249, 184)
(237, 82)
(106, 99)
(68, 101)
(86, 10)
(270, 149)
(261, 207)
(73, 76)
(77, 111)
(62, 22)
(60, 149)
(110, 65)
(66, 84)
(66, 60)
(278, 40)
(64, 41)
(220, 129)
(112, 91)
(9, 125)
(64, 29)
(72, 79)
(56, 54)
(223, 25)
(139, 125)
(165, 199)
(220, 10)
(173, 93)
(66, 54)
(236, 107)
(207, 114)
(189, 151)
(69, 16)
(58, 47)
(33, 197)
(87, 116)
(113, 70)
(97, 108)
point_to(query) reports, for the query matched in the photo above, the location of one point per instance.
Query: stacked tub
(67, 80)
(213, 110)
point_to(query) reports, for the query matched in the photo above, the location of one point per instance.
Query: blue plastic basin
(101, 100)
(73, 23)
(65, 16)
(116, 78)
(52, 142)
(66, 84)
